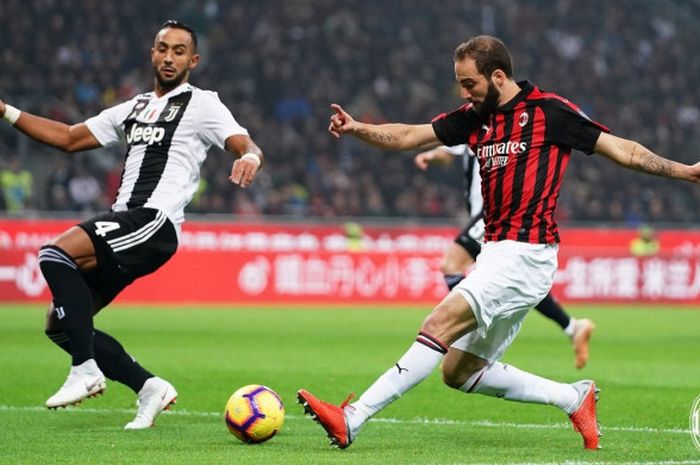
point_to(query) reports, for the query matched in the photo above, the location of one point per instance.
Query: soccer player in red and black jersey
(523, 138)
(462, 253)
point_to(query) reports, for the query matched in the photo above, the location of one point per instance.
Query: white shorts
(509, 278)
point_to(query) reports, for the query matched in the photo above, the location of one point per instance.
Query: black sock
(60, 338)
(550, 308)
(116, 364)
(453, 279)
(72, 300)
(111, 358)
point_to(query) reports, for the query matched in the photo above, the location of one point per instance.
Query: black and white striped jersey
(472, 178)
(168, 138)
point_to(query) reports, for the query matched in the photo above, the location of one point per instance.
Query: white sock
(506, 381)
(569, 330)
(415, 365)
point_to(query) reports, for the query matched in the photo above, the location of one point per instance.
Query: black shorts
(471, 236)
(128, 244)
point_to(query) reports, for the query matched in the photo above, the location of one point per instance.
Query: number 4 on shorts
(103, 227)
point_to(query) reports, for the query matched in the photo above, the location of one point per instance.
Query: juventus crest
(172, 111)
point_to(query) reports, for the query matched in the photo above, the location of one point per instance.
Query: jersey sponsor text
(147, 135)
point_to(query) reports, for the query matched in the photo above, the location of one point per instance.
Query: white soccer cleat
(84, 380)
(155, 396)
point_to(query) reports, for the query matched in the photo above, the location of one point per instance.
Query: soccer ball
(254, 413)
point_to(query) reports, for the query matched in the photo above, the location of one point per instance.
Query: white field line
(413, 421)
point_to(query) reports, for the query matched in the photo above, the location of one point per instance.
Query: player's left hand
(244, 171)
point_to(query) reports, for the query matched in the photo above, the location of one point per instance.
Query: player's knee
(436, 322)
(457, 375)
(453, 378)
(447, 268)
(52, 257)
(449, 265)
(52, 323)
(451, 319)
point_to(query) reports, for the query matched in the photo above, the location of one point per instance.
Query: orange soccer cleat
(330, 417)
(584, 416)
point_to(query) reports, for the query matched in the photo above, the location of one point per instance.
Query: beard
(490, 103)
(173, 82)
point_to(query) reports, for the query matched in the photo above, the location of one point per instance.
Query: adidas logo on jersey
(148, 135)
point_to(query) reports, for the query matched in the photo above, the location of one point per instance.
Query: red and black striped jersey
(523, 149)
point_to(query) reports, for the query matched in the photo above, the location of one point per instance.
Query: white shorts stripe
(139, 236)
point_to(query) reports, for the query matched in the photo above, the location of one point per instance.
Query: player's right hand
(341, 121)
(2, 108)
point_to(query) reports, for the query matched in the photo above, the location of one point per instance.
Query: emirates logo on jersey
(523, 119)
(497, 155)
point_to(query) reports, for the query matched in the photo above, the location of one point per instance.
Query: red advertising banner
(280, 263)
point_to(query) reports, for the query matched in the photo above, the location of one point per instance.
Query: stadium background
(278, 65)
(631, 64)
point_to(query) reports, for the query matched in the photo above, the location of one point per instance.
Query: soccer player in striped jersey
(523, 138)
(466, 247)
(168, 132)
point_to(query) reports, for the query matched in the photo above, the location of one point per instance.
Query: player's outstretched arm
(634, 155)
(438, 156)
(60, 135)
(249, 160)
(393, 136)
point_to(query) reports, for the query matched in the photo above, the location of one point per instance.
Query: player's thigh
(77, 243)
(450, 319)
(128, 245)
(492, 344)
(137, 241)
(509, 278)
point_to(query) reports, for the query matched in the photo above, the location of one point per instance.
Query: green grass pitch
(647, 362)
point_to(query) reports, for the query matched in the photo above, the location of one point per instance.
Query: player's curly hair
(489, 54)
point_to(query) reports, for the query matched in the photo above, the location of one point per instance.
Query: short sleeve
(107, 125)
(455, 127)
(457, 150)
(571, 127)
(216, 123)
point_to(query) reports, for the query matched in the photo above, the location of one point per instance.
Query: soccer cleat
(84, 380)
(155, 396)
(584, 416)
(330, 417)
(583, 329)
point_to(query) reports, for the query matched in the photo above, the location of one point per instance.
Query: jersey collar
(526, 88)
(184, 87)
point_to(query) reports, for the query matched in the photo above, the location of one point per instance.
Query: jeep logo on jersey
(148, 135)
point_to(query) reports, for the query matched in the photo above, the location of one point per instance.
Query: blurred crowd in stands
(278, 65)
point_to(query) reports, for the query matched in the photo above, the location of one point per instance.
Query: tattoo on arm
(377, 136)
(645, 160)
